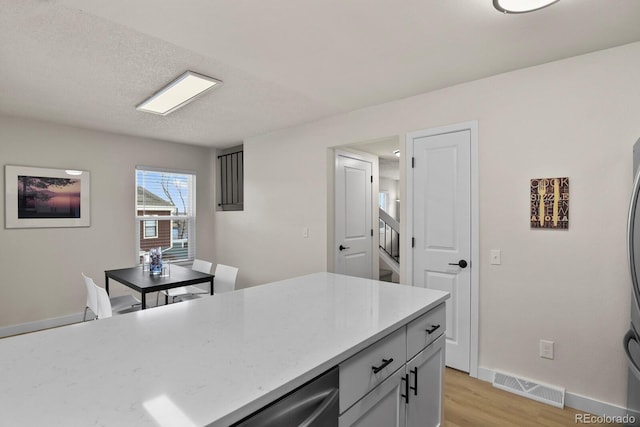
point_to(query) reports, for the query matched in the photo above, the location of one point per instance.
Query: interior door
(353, 217)
(442, 231)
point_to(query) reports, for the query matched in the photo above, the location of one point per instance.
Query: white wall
(577, 118)
(41, 267)
(391, 186)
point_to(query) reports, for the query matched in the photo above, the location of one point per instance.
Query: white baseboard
(572, 400)
(39, 325)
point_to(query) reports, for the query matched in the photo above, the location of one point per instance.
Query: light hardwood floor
(470, 402)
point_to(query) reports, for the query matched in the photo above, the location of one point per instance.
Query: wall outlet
(305, 232)
(546, 349)
(495, 255)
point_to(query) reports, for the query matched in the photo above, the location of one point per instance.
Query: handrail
(389, 220)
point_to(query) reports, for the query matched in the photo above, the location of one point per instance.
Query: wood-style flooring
(470, 402)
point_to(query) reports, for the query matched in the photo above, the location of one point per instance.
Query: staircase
(389, 248)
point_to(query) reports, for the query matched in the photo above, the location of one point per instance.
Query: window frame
(189, 216)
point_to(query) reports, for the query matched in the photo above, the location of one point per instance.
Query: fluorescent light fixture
(73, 172)
(397, 153)
(179, 92)
(521, 6)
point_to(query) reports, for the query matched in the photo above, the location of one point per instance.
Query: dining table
(141, 280)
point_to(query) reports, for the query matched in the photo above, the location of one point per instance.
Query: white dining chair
(92, 298)
(225, 278)
(118, 304)
(191, 290)
(104, 304)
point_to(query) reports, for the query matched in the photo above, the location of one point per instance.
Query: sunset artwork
(48, 197)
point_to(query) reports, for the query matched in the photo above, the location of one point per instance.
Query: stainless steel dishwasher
(314, 404)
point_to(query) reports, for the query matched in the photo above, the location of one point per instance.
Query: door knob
(462, 263)
(342, 248)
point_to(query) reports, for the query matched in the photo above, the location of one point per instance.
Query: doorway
(385, 206)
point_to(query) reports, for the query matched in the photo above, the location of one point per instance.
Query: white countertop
(210, 361)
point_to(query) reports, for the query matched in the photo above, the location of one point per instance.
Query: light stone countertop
(210, 361)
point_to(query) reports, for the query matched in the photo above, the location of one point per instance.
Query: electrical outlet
(305, 232)
(546, 349)
(495, 255)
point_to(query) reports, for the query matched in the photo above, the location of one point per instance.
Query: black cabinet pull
(414, 371)
(385, 363)
(406, 388)
(433, 329)
(342, 248)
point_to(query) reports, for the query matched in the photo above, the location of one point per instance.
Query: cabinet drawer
(357, 376)
(425, 329)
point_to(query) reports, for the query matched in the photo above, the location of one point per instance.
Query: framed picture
(40, 197)
(550, 203)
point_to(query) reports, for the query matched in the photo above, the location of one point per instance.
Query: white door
(353, 217)
(442, 231)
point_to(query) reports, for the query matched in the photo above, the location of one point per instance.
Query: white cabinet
(384, 406)
(369, 368)
(397, 382)
(425, 370)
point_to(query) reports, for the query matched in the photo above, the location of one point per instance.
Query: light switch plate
(495, 256)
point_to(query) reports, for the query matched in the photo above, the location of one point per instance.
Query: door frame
(407, 227)
(375, 216)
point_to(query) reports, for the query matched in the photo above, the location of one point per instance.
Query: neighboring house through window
(165, 213)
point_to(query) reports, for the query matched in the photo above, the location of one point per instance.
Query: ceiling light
(179, 92)
(521, 6)
(397, 153)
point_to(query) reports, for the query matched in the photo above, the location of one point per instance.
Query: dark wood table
(143, 282)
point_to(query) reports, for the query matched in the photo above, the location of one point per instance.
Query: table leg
(106, 283)
(166, 299)
(211, 288)
(144, 301)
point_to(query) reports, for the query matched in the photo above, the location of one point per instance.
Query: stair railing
(389, 235)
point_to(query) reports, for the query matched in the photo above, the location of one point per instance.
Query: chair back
(104, 303)
(225, 278)
(92, 295)
(201, 266)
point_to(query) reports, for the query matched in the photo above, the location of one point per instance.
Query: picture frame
(46, 198)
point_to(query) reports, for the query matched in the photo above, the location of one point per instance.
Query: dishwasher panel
(315, 404)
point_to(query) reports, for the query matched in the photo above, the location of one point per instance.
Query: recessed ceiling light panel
(521, 6)
(178, 93)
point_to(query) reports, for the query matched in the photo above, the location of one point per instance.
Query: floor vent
(541, 392)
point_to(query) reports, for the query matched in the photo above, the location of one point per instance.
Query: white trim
(572, 400)
(38, 325)
(472, 126)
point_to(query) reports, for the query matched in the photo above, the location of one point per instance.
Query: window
(231, 179)
(165, 213)
(150, 229)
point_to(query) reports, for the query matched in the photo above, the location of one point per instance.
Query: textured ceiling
(283, 62)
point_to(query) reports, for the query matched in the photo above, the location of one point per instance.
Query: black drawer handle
(433, 329)
(385, 363)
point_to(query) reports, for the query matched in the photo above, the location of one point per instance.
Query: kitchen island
(211, 361)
